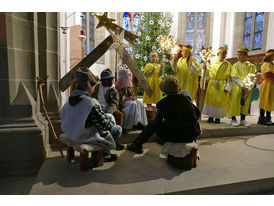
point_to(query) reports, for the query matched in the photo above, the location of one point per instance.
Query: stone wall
(28, 49)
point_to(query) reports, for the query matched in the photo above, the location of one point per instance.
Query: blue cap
(106, 75)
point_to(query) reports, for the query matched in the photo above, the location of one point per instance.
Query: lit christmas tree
(152, 27)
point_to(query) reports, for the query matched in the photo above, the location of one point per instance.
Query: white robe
(134, 113)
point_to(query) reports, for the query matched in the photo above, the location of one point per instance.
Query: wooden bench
(84, 150)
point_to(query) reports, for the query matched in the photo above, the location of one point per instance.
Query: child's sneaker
(234, 123)
(244, 123)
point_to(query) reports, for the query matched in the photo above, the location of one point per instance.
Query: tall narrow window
(91, 32)
(127, 21)
(247, 29)
(258, 30)
(136, 22)
(190, 23)
(253, 30)
(200, 30)
(84, 28)
(195, 30)
(127, 26)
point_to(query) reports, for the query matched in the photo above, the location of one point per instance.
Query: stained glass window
(247, 29)
(91, 32)
(253, 28)
(200, 30)
(190, 18)
(195, 30)
(136, 22)
(190, 23)
(84, 28)
(258, 30)
(201, 20)
(189, 38)
(127, 21)
(248, 14)
(127, 26)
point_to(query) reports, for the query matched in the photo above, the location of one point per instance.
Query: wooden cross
(92, 57)
(88, 61)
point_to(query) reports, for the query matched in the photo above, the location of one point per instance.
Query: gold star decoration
(104, 20)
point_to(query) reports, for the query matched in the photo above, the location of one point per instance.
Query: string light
(166, 42)
(206, 55)
(249, 80)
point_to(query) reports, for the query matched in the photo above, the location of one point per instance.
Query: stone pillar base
(22, 150)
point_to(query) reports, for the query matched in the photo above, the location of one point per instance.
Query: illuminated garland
(249, 80)
(206, 55)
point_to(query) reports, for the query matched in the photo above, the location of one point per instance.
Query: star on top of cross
(104, 20)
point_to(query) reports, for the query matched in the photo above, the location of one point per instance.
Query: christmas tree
(153, 26)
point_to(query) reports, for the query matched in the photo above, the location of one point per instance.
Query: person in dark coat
(176, 119)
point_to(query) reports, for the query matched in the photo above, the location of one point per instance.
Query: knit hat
(170, 85)
(106, 75)
(84, 78)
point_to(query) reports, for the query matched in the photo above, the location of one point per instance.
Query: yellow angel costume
(188, 75)
(216, 99)
(239, 70)
(154, 81)
(267, 89)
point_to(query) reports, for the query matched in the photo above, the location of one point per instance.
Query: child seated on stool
(176, 119)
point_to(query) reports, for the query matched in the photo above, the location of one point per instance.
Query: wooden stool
(187, 162)
(84, 150)
(151, 112)
(181, 155)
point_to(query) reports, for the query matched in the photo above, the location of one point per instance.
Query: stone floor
(228, 161)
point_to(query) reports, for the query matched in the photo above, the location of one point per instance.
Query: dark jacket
(112, 98)
(179, 119)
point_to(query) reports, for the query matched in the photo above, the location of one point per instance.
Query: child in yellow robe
(267, 89)
(239, 72)
(153, 72)
(219, 86)
(187, 71)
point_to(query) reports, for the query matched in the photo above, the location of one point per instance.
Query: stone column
(174, 26)
(270, 32)
(99, 35)
(229, 33)
(27, 51)
(217, 25)
(48, 35)
(23, 131)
